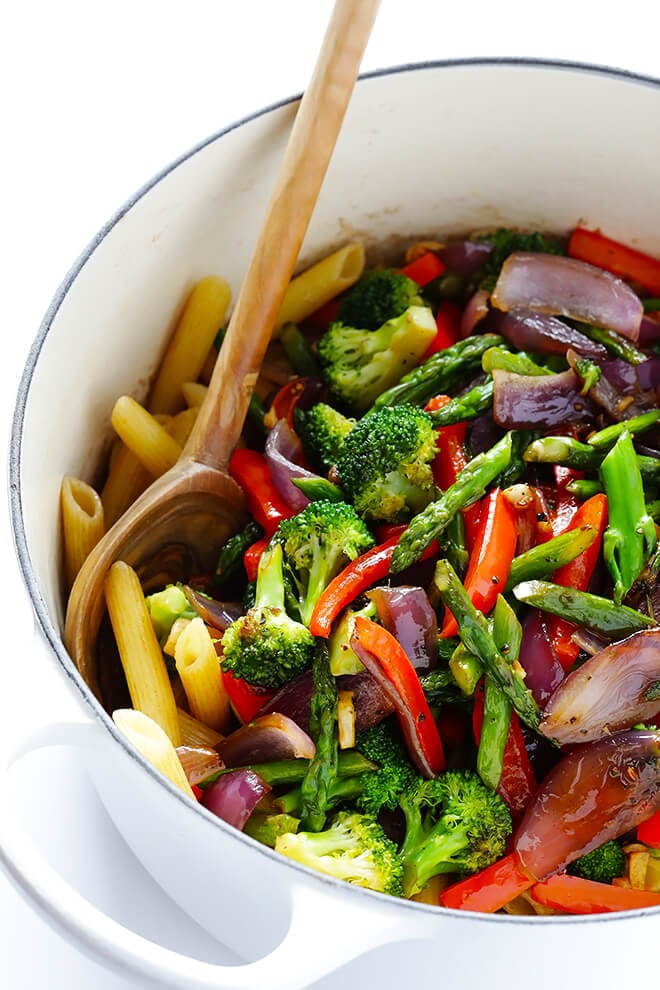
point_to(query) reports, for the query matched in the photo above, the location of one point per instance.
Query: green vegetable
(604, 439)
(229, 570)
(354, 848)
(379, 296)
(615, 344)
(589, 372)
(266, 828)
(265, 646)
(382, 745)
(440, 687)
(343, 659)
(453, 825)
(299, 354)
(322, 431)
(441, 374)
(583, 488)
(165, 607)
(319, 489)
(582, 456)
(504, 360)
(385, 463)
(471, 404)
(630, 537)
(471, 483)
(358, 364)
(543, 560)
(317, 543)
(505, 241)
(474, 631)
(507, 636)
(599, 615)
(603, 864)
(322, 771)
(465, 669)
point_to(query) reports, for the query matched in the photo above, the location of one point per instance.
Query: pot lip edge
(46, 626)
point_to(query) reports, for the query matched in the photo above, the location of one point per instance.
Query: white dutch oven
(425, 150)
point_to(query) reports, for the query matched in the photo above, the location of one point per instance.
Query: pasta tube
(195, 733)
(127, 478)
(202, 317)
(154, 744)
(145, 436)
(319, 284)
(82, 523)
(199, 669)
(141, 656)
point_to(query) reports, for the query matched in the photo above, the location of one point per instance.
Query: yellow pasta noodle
(199, 669)
(139, 650)
(195, 733)
(154, 744)
(145, 436)
(82, 523)
(194, 393)
(202, 317)
(127, 478)
(320, 283)
(180, 425)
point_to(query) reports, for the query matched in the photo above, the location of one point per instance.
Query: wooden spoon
(177, 525)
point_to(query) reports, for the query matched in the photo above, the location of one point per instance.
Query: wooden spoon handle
(301, 175)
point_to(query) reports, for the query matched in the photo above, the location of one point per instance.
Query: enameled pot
(528, 144)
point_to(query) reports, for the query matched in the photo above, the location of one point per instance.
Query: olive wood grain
(177, 525)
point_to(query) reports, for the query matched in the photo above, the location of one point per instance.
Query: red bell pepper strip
(250, 470)
(564, 475)
(517, 784)
(398, 669)
(360, 574)
(649, 831)
(245, 699)
(490, 560)
(577, 896)
(389, 530)
(448, 323)
(252, 556)
(321, 319)
(285, 401)
(626, 262)
(450, 461)
(197, 791)
(577, 575)
(424, 269)
(490, 889)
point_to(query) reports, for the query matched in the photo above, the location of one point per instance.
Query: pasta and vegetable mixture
(429, 661)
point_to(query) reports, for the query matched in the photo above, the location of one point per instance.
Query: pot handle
(298, 961)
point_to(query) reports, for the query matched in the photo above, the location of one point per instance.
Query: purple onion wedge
(528, 402)
(614, 689)
(406, 612)
(543, 334)
(549, 283)
(269, 737)
(283, 451)
(234, 796)
(597, 792)
(371, 704)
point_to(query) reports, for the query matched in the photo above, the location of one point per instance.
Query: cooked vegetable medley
(437, 626)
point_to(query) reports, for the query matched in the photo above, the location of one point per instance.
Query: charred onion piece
(269, 737)
(525, 402)
(234, 796)
(199, 762)
(406, 612)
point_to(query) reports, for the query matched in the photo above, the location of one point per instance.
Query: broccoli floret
(505, 242)
(385, 463)
(317, 543)
(165, 607)
(359, 364)
(353, 848)
(602, 864)
(265, 646)
(322, 430)
(454, 824)
(382, 788)
(378, 296)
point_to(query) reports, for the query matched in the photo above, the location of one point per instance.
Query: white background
(96, 98)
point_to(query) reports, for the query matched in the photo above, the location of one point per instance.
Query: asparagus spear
(507, 636)
(298, 351)
(630, 537)
(598, 615)
(519, 363)
(467, 406)
(441, 373)
(322, 771)
(543, 560)
(470, 484)
(614, 343)
(279, 773)
(474, 631)
(319, 489)
(583, 456)
(466, 669)
(584, 488)
(604, 439)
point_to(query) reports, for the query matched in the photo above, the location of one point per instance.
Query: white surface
(98, 97)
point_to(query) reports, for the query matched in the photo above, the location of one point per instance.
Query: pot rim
(47, 627)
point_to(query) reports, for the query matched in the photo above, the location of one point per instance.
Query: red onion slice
(527, 402)
(465, 257)
(371, 704)
(543, 334)
(283, 451)
(199, 763)
(550, 283)
(476, 309)
(544, 673)
(270, 737)
(597, 792)
(406, 612)
(234, 796)
(614, 689)
(216, 614)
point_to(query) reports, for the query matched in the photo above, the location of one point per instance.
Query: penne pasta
(194, 393)
(82, 523)
(195, 733)
(127, 478)
(140, 653)
(319, 284)
(154, 744)
(199, 669)
(202, 317)
(145, 436)
(180, 425)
